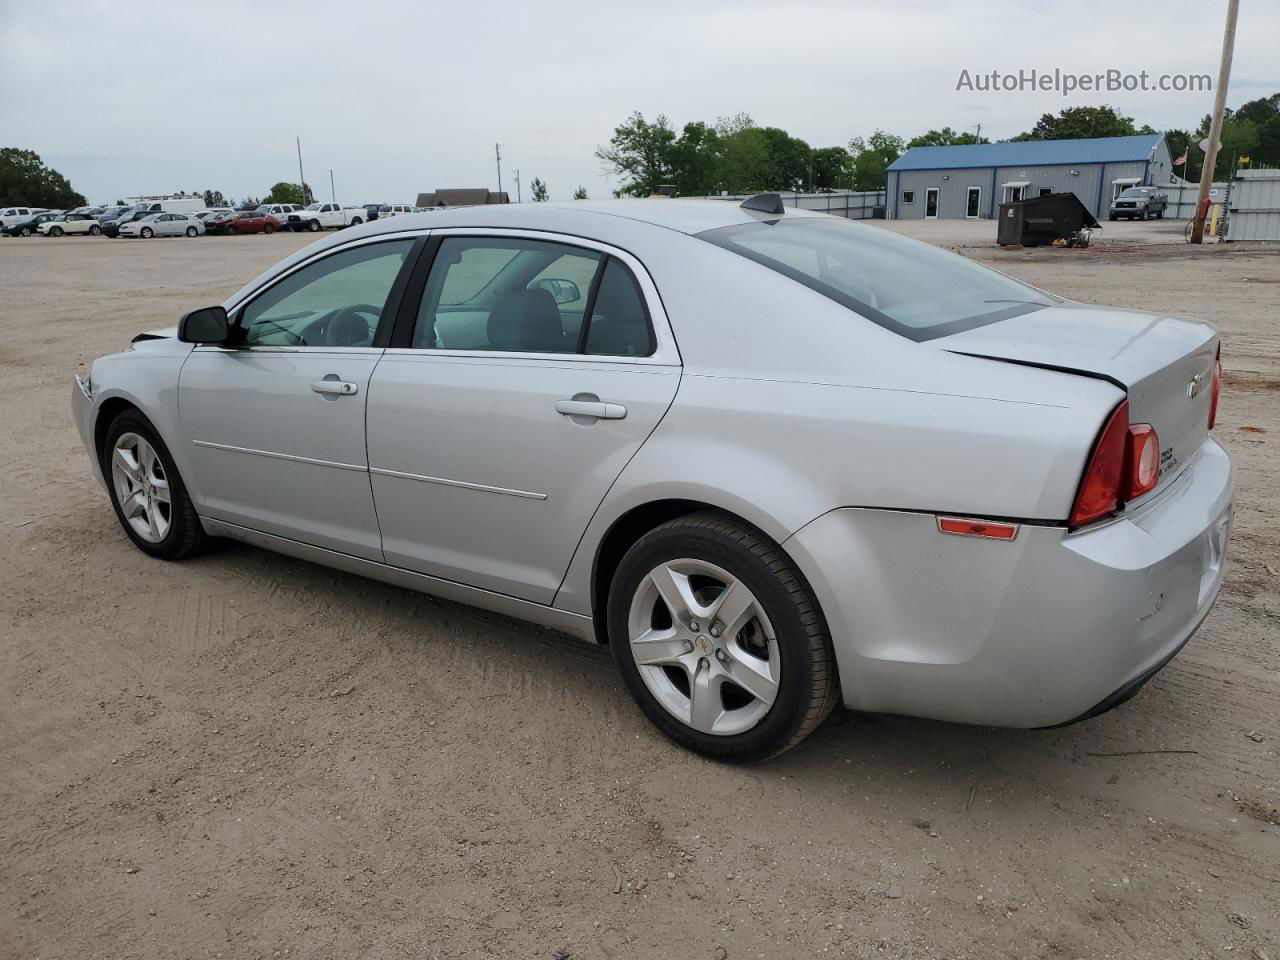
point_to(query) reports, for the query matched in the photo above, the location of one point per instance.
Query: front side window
(334, 302)
(912, 288)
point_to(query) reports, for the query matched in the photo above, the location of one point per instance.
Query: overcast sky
(143, 97)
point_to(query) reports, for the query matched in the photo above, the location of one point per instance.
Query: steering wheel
(336, 331)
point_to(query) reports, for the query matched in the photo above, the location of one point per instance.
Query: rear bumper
(1046, 629)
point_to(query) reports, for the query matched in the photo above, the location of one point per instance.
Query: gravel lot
(248, 756)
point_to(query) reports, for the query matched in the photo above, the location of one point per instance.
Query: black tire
(1142, 215)
(268, 229)
(55, 231)
(27, 231)
(356, 221)
(146, 233)
(192, 231)
(95, 231)
(1113, 217)
(314, 226)
(808, 689)
(186, 536)
(1160, 215)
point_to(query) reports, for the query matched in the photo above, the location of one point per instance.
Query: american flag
(1181, 160)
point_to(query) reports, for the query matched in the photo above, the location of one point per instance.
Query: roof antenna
(764, 203)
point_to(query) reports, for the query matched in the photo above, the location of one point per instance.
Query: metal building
(972, 180)
(1254, 212)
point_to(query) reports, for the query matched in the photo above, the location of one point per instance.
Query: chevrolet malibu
(773, 459)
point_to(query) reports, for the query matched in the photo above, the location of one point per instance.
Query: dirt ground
(248, 756)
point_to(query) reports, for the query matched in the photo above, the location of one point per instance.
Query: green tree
(1260, 111)
(640, 152)
(538, 190)
(1239, 136)
(744, 161)
(580, 193)
(25, 180)
(290, 193)
(1078, 123)
(832, 168)
(1181, 141)
(946, 137)
(694, 160)
(1267, 152)
(872, 156)
(214, 198)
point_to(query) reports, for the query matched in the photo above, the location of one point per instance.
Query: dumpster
(1054, 217)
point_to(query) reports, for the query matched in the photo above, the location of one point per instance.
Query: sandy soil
(248, 756)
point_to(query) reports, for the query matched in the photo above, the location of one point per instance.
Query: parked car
(163, 225)
(11, 215)
(394, 210)
(248, 221)
(774, 459)
(371, 210)
(204, 215)
(25, 228)
(70, 224)
(111, 228)
(1140, 202)
(325, 216)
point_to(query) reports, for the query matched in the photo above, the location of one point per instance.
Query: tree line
(735, 155)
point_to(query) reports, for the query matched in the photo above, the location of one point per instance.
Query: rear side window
(620, 324)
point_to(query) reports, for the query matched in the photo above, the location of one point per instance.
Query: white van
(179, 205)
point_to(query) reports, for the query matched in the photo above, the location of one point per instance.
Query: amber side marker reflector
(984, 529)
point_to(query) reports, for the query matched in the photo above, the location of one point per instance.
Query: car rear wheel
(356, 221)
(26, 231)
(146, 233)
(192, 231)
(719, 639)
(148, 495)
(55, 231)
(95, 231)
(314, 226)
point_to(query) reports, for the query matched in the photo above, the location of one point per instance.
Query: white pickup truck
(322, 216)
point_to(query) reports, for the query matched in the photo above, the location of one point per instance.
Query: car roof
(684, 216)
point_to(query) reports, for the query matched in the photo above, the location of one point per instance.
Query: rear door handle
(596, 409)
(335, 388)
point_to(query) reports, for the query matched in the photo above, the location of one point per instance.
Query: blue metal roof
(1030, 153)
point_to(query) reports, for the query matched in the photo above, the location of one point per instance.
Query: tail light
(1215, 387)
(1124, 464)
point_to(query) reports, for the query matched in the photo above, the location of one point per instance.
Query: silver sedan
(775, 460)
(163, 225)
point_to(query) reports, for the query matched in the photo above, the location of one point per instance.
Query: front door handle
(335, 387)
(594, 408)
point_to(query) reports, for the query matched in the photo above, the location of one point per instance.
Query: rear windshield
(1137, 192)
(909, 287)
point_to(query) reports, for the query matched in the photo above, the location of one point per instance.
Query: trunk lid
(1165, 363)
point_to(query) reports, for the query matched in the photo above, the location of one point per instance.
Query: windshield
(909, 287)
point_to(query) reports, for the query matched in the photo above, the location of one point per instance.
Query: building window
(908, 196)
(1045, 191)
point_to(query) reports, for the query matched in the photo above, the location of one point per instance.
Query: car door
(276, 422)
(531, 370)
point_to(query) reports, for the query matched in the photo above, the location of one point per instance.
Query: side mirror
(564, 291)
(206, 325)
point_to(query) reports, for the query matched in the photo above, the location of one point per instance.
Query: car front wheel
(720, 640)
(146, 233)
(192, 231)
(55, 231)
(148, 495)
(268, 229)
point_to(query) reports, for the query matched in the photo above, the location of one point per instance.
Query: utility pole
(1215, 127)
(518, 185)
(497, 153)
(302, 182)
(979, 134)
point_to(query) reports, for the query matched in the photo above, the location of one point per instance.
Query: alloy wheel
(704, 646)
(141, 487)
